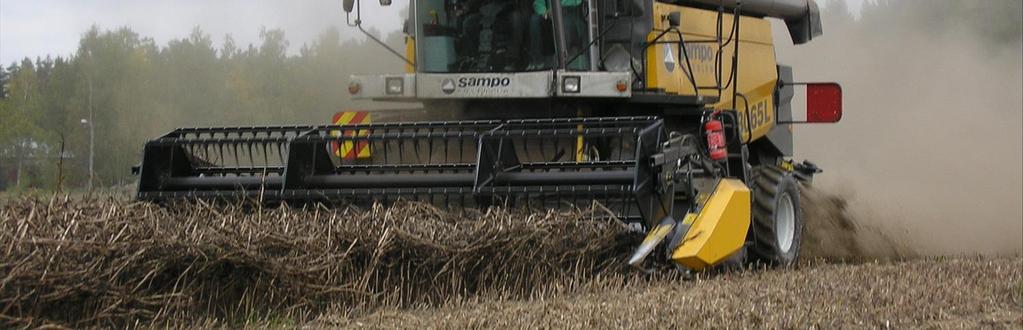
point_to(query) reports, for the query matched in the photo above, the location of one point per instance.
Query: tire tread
(768, 182)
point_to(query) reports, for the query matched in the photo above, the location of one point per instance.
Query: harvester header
(512, 163)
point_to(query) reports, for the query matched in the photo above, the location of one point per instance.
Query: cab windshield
(470, 36)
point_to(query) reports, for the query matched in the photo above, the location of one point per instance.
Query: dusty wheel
(777, 217)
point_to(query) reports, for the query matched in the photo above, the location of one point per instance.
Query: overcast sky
(39, 27)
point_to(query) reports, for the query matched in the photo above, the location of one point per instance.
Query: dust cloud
(929, 150)
(834, 233)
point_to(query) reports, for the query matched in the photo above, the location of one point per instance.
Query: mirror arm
(358, 24)
(371, 37)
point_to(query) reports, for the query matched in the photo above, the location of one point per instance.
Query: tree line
(132, 90)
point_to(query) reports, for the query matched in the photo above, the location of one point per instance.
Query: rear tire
(777, 218)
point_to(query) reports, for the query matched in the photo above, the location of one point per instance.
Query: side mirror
(385, 3)
(348, 5)
(674, 19)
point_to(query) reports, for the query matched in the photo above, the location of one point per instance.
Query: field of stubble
(87, 262)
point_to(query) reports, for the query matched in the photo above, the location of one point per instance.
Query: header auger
(672, 115)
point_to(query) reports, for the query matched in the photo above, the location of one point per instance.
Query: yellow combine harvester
(673, 116)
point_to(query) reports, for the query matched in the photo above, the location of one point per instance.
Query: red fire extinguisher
(715, 140)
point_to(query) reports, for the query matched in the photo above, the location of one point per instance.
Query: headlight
(395, 85)
(570, 84)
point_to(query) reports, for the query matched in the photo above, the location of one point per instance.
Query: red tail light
(715, 140)
(823, 103)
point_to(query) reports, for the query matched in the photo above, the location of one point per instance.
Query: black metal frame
(463, 163)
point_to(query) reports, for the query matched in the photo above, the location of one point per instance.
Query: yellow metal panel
(410, 53)
(580, 142)
(703, 23)
(720, 228)
(689, 219)
(757, 72)
(659, 75)
(759, 111)
(350, 150)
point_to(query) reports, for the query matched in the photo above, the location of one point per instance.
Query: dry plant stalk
(105, 262)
